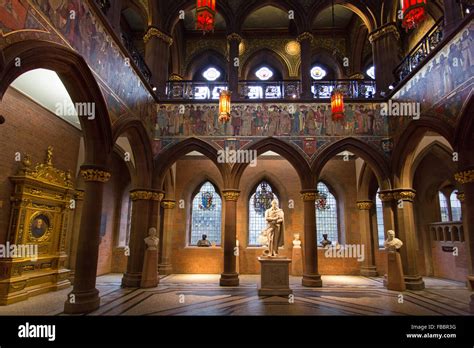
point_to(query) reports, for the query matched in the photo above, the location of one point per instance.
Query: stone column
(466, 178)
(368, 268)
(157, 55)
(165, 266)
(76, 228)
(386, 51)
(305, 39)
(407, 233)
(230, 277)
(84, 297)
(387, 205)
(142, 203)
(452, 15)
(234, 41)
(311, 277)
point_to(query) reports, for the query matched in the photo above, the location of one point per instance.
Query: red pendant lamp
(224, 106)
(205, 15)
(413, 13)
(337, 104)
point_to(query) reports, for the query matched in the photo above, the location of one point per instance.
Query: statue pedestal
(394, 280)
(275, 276)
(150, 270)
(297, 261)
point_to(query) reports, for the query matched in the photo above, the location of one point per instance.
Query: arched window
(443, 206)
(380, 225)
(206, 212)
(259, 201)
(327, 221)
(371, 72)
(125, 218)
(455, 206)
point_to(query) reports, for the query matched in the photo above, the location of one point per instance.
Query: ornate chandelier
(205, 15)
(224, 106)
(413, 13)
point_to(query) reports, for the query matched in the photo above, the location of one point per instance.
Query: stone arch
(266, 56)
(204, 58)
(464, 133)
(140, 142)
(164, 161)
(326, 58)
(375, 159)
(287, 151)
(79, 82)
(404, 151)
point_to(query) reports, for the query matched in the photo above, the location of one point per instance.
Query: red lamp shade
(413, 13)
(337, 104)
(224, 106)
(205, 15)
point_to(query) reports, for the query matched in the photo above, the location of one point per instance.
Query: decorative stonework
(231, 195)
(95, 175)
(168, 204)
(79, 195)
(465, 177)
(234, 37)
(142, 195)
(365, 205)
(386, 196)
(460, 196)
(404, 195)
(305, 36)
(385, 30)
(309, 196)
(154, 32)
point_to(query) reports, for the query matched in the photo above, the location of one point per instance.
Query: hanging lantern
(413, 13)
(337, 104)
(224, 106)
(205, 15)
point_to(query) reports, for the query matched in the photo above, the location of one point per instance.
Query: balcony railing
(270, 90)
(136, 57)
(450, 231)
(419, 53)
(352, 89)
(104, 5)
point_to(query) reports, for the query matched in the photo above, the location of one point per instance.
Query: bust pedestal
(275, 277)
(297, 261)
(394, 280)
(150, 266)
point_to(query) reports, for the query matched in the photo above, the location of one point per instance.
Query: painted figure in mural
(467, 52)
(349, 117)
(13, 14)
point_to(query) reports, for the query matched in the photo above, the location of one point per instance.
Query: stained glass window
(326, 215)
(455, 206)
(264, 73)
(371, 72)
(259, 201)
(318, 73)
(206, 213)
(380, 225)
(211, 74)
(443, 206)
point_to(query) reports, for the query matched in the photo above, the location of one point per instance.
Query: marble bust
(152, 240)
(392, 244)
(204, 242)
(296, 241)
(325, 242)
(274, 231)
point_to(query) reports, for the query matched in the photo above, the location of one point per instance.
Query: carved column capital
(365, 205)
(309, 195)
(95, 174)
(465, 177)
(168, 204)
(407, 195)
(155, 32)
(234, 37)
(305, 36)
(386, 196)
(460, 196)
(383, 31)
(79, 195)
(146, 195)
(231, 195)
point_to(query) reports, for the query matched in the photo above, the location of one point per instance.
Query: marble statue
(152, 240)
(204, 242)
(274, 232)
(296, 241)
(392, 243)
(325, 242)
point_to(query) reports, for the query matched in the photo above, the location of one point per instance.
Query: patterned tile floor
(201, 295)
